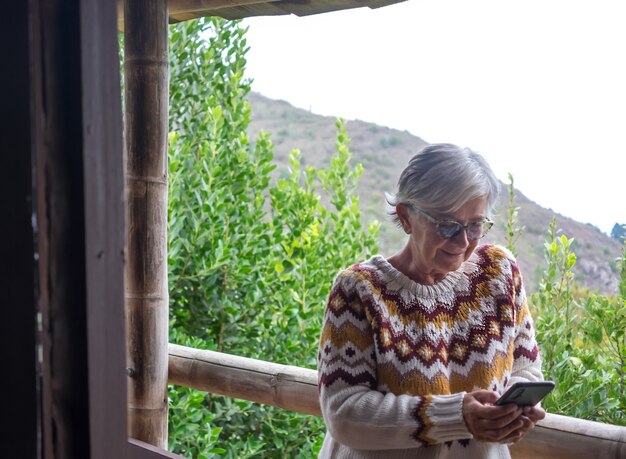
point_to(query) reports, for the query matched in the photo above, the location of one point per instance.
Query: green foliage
(581, 338)
(191, 432)
(251, 259)
(513, 230)
(581, 335)
(559, 339)
(553, 300)
(252, 256)
(619, 232)
(389, 142)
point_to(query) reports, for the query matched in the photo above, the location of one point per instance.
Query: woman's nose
(461, 238)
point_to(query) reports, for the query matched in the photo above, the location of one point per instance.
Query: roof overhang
(183, 10)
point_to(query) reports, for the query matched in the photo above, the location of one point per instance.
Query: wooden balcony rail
(295, 389)
(288, 387)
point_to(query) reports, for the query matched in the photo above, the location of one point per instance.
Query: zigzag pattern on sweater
(427, 342)
(390, 334)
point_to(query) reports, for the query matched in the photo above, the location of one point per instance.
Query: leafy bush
(250, 260)
(581, 335)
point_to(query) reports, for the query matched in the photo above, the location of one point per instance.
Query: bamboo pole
(146, 95)
(295, 389)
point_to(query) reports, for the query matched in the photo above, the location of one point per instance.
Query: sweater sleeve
(526, 357)
(356, 413)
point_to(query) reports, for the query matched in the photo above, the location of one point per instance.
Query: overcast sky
(538, 87)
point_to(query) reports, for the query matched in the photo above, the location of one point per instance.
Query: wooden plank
(270, 383)
(140, 450)
(273, 8)
(146, 91)
(61, 216)
(198, 6)
(104, 239)
(563, 437)
(19, 425)
(183, 10)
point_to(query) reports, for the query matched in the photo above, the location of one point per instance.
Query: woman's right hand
(491, 423)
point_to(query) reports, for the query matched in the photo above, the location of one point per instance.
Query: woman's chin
(451, 262)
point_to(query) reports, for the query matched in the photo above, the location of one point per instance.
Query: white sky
(538, 87)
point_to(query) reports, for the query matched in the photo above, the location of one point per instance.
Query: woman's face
(432, 257)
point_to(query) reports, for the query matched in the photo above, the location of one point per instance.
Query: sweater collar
(454, 281)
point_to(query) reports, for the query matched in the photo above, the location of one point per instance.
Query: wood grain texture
(60, 173)
(284, 386)
(146, 94)
(104, 229)
(183, 10)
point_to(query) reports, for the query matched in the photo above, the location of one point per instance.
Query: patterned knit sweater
(397, 357)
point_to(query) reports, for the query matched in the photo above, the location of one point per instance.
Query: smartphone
(527, 393)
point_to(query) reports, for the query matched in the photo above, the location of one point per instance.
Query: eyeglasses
(447, 229)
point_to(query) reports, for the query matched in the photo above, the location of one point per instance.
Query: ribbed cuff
(446, 415)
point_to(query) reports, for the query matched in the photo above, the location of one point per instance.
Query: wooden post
(146, 91)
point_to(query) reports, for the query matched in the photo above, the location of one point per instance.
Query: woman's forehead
(474, 209)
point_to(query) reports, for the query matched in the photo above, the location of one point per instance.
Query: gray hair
(442, 178)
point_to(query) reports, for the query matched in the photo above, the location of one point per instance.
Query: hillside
(384, 152)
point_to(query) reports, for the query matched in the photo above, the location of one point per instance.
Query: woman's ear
(402, 210)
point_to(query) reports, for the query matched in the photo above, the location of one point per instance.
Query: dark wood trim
(140, 450)
(19, 425)
(60, 173)
(103, 166)
(104, 186)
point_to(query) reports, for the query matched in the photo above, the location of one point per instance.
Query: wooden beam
(563, 437)
(183, 10)
(103, 152)
(146, 91)
(194, 6)
(295, 389)
(285, 386)
(58, 127)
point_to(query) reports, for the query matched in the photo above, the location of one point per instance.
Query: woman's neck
(403, 261)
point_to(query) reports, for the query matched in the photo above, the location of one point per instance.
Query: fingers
(485, 396)
(505, 413)
(536, 413)
(518, 434)
(504, 424)
(501, 434)
(527, 424)
(498, 422)
(476, 409)
(513, 438)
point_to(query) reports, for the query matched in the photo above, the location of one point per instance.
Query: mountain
(384, 152)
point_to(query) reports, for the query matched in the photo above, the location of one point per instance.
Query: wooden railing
(295, 389)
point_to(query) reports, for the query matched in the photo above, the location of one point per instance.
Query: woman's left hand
(529, 417)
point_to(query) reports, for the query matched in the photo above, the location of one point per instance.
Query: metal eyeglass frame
(486, 226)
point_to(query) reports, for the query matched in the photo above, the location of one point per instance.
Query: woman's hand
(502, 424)
(530, 416)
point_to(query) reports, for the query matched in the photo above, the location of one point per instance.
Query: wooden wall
(18, 384)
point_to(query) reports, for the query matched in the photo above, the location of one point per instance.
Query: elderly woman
(417, 347)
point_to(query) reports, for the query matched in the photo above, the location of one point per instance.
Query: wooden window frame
(105, 234)
(63, 330)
